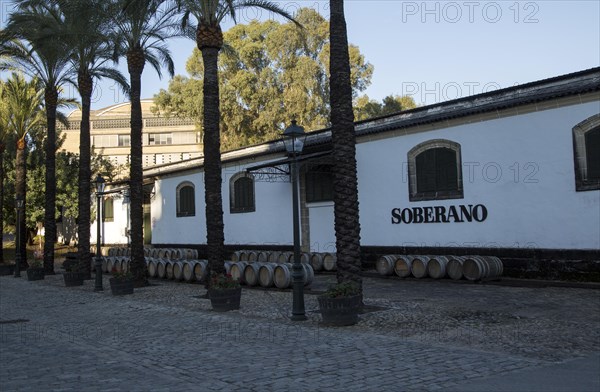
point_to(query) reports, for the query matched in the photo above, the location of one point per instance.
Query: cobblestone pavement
(419, 336)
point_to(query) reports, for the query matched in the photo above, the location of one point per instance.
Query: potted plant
(36, 269)
(121, 282)
(6, 269)
(340, 304)
(224, 292)
(73, 275)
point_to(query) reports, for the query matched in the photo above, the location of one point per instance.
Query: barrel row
(161, 253)
(252, 274)
(438, 267)
(267, 274)
(318, 261)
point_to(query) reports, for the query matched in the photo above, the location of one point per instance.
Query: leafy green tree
(24, 113)
(4, 137)
(273, 72)
(38, 53)
(209, 39)
(365, 108)
(141, 29)
(345, 183)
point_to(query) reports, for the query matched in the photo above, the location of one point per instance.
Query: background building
(165, 140)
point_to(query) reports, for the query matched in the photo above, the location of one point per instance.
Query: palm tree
(24, 113)
(3, 139)
(85, 25)
(209, 39)
(345, 184)
(46, 57)
(141, 28)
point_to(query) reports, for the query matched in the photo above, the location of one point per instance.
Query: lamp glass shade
(293, 138)
(100, 184)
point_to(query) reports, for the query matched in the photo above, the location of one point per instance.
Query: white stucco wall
(520, 167)
(269, 224)
(112, 232)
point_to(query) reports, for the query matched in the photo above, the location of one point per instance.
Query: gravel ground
(542, 323)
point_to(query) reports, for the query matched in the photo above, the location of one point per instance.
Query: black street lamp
(98, 262)
(293, 138)
(19, 206)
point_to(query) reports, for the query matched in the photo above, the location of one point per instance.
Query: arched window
(241, 193)
(186, 205)
(434, 171)
(586, 146)
(108, 213)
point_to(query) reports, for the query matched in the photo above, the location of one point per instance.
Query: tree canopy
(273, 72)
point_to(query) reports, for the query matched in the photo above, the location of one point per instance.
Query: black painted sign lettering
(440, 214)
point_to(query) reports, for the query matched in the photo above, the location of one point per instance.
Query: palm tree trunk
(21, 191)
(51, 97)
(1, 200)
(212, 161)
(138, 265)
(347, 226)
(83, 226)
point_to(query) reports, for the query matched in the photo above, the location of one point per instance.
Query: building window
(186, 205)
(319, 184)
(434, 171)
(241, 193)
(124, 140)
(160, 138)
(108, 214)
(586, 146)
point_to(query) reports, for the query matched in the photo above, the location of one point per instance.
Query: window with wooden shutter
(319, 184)
(186, 204)
(586, 148)
(435, 171)
(241, 197)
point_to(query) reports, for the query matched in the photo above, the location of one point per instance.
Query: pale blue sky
(441, 50)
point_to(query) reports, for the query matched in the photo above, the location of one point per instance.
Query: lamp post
(19, 205)
(293, 138)
(98, 262)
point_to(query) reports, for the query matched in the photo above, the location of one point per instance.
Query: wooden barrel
(227, 265)
(176, 254)
(309, 274)
(316, 261)
(475, 268)
(282, 276)
(385, 265)
(329, 262)
(495, 267)
(125, 264)
(178, 269)
(403, 265)
(243, 255)
(286, 257)
(111, 252)
(262, 257)
(251, 273)
(188, 270)
(265, 274)
(454, 267)
(161, 268)
(152, 267)
(419, 266)
(305, 257)
(105, 264)
(436, 267)
(235, 256)
(237, 270)
(128, 252)
(201, 270)
(169, 269)
(273, 257)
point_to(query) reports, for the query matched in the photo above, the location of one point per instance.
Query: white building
(514, 172)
